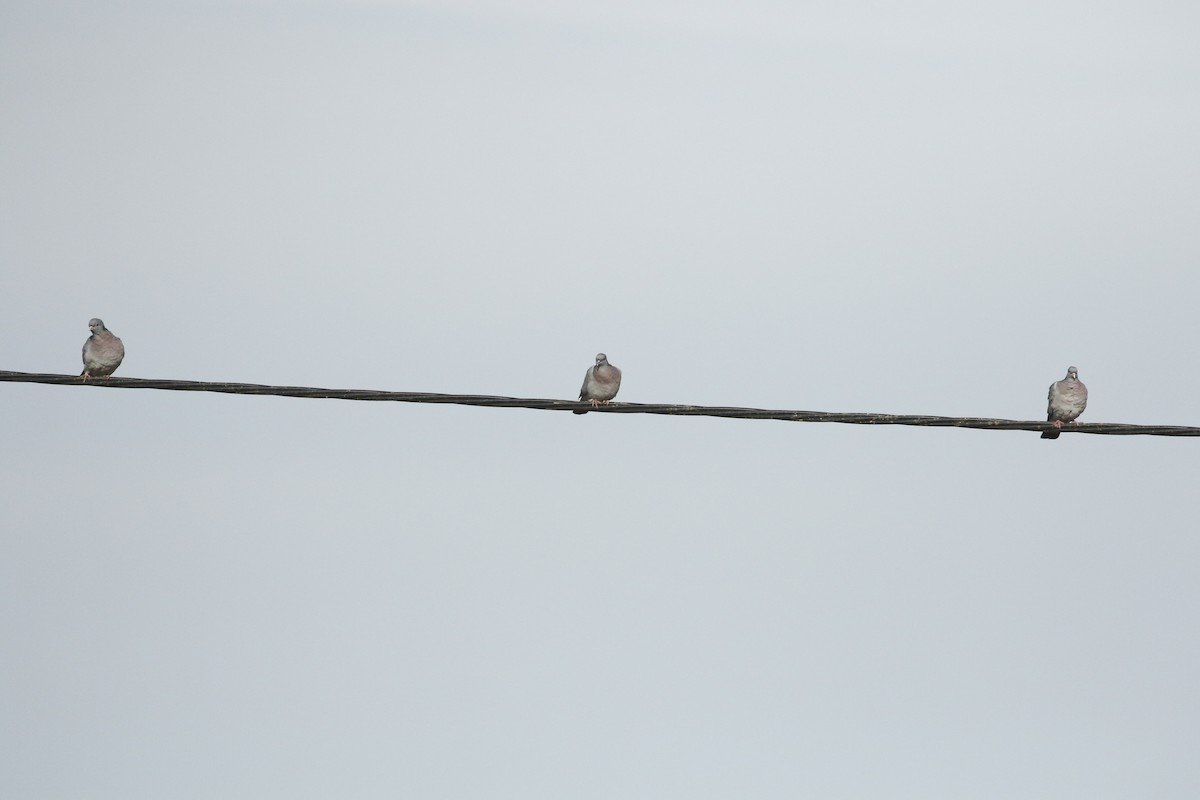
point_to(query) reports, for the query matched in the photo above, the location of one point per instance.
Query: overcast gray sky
(928, 208)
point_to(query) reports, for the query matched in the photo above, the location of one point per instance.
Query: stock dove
(601, 382)
(102, 352)
(1068, 399)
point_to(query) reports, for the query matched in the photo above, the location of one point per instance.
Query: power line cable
(489, 401)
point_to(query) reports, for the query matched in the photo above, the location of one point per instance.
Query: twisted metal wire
(489, 401)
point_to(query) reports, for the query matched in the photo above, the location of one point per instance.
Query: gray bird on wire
(102, 352)
(601, 382)
(1068, 399)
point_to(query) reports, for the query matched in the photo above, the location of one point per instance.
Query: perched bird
(601, 382)
(102, 352)
(1068, 399)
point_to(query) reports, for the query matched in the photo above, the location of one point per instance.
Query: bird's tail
(1050, 434)
(578, 412)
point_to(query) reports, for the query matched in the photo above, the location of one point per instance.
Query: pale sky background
(927, 208)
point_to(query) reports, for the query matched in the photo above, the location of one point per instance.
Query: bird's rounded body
(1067, 400)
(102, 352)
(601, 383)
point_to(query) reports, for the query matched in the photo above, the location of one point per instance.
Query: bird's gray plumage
(1068, 399)
(601, 382)
(102, 352)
